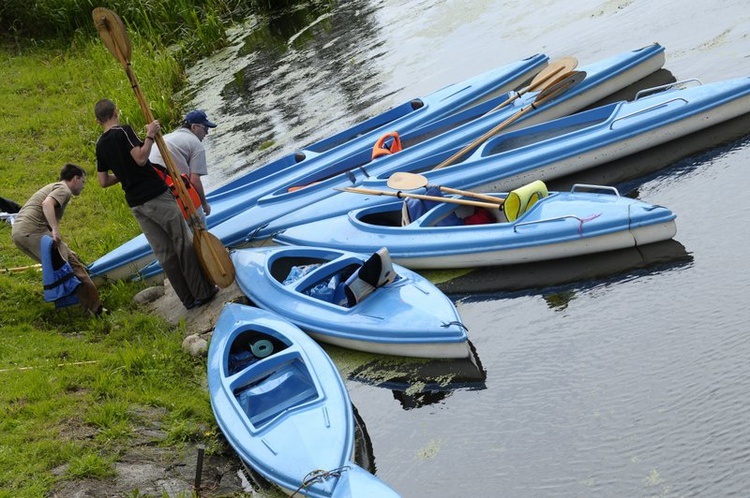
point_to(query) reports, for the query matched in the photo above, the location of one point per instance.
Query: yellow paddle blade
(402, 180)
(558, 87)
(561, 66)
(214, 258)
(113, 33)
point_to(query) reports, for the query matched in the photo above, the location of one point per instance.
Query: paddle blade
(561, 66)
(560, 87)
(406, 181)
(112, 32)
(214, 259)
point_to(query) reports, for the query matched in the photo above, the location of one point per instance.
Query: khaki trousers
(165, 229)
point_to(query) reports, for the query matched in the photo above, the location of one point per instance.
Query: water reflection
(416, 382)
(298, 64)
(363, 454)
(657, 257)
(285, 23)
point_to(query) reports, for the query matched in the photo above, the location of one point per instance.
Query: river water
(622, 375)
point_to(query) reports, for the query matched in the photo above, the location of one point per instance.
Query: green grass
(64, 376)
(73, 389)
(77, 392)
(190, 27)
(48, 120)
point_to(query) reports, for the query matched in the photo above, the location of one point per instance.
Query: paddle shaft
(400, 194)
(555, 71)
(199, 231)
(118, 43)
(20, 268)
(489, 198)
(558, 87)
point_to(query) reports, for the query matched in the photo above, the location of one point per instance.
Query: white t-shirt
(187, 151)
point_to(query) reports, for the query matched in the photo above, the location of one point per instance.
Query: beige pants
(172, 242)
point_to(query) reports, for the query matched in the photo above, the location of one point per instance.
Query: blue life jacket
(60, 283)
(418, 207)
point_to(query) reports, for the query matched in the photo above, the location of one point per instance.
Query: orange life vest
(194, 196)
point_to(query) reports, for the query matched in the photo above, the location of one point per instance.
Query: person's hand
(207, 209)
(56, 235)
(153, 128)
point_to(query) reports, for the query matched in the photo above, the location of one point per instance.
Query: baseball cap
(198, 117)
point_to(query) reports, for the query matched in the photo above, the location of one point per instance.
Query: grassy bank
(74, 390)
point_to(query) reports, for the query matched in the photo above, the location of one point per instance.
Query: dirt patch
(147, 468)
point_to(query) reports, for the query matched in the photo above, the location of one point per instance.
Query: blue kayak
(407, 317)
(282, 405)
(601, 79)
(420, 117)
(545, 151)
(267, 214)
(586, 220)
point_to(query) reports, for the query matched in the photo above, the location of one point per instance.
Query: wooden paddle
(551, 89)
(400, 195)
(560, 68)
(408, 181)
(213, 256)
(37, 266)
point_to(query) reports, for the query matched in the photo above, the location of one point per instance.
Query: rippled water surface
(633, 381)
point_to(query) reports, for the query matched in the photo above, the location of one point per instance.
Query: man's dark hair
(104, 110)
(70, 171)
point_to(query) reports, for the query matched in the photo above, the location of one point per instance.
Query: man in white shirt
(186, 146)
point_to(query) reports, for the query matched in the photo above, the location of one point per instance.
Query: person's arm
(106, 179)
(140, 154)
(48, 208)
(195, 179)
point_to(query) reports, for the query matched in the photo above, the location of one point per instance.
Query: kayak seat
(522, 198)
(376, 272)
(250, 347)
(287, 386)
(413, 209)
(480, 216)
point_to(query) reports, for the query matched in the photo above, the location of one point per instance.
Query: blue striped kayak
(407, 317)
(586, 220)
(266, 215)
(550, 150)
(602, 78)
(282, 405)
(420, 117)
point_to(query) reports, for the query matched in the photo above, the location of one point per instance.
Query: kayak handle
(557, 218)
(647, 109)
(648, 91)
(589, 186)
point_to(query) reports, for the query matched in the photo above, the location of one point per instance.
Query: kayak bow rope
(549, 91)
(213, 256)
(315, 476)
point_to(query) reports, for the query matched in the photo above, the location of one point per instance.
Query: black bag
(8, 206)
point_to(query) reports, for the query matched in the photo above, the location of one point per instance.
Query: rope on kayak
(456, 322)
(316, 476)
(250, 236)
